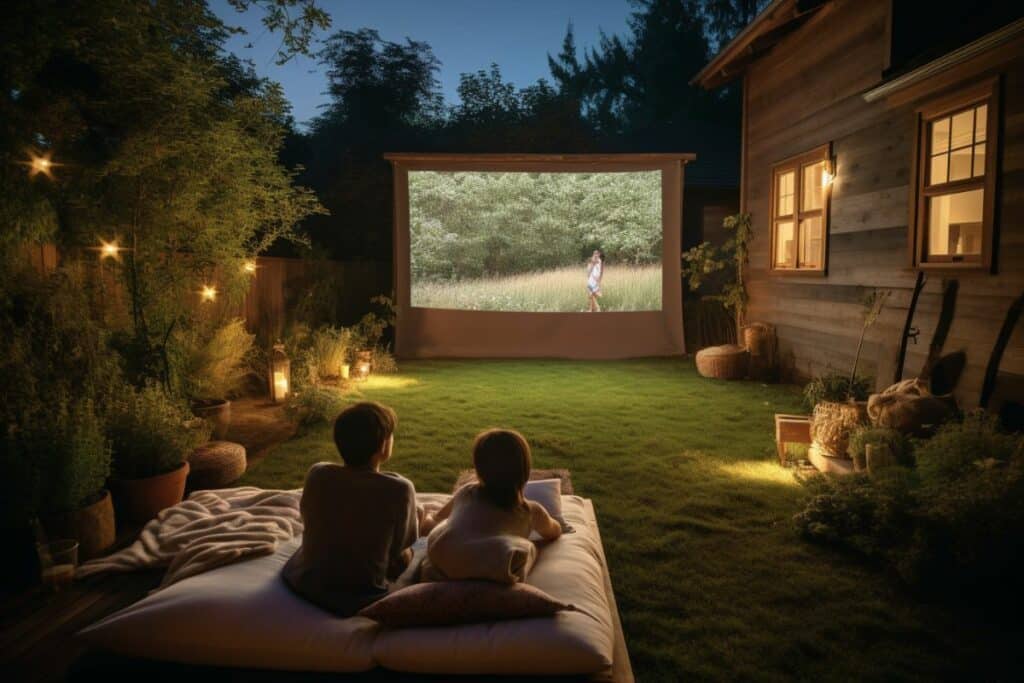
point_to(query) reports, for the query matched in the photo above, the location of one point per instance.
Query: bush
(328, 350)
(833, 386)
(896, 441)
(214, 364)
(315, 404)
(152, 434)
(949, 524)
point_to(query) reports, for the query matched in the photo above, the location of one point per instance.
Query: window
(800, 196)
(956, 181)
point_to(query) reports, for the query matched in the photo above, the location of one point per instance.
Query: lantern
(280, 374)
(363, 365)
(346, 371)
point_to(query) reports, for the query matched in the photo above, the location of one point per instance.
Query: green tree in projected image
(521, 241)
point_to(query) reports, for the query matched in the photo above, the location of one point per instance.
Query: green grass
(711, 581)
(624, 288)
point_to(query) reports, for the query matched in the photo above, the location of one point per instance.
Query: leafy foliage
(703, 260)
(315, 403)
(833, 386)
(958, 448)
(897, 443)
(471, 224)
(214, 363)
(152, 433)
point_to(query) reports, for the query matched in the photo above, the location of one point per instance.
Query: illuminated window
(956, 180)
(800, 195)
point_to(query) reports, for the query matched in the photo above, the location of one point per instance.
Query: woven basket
(216, 464)
(723, 362)
(757, 337)
(832, 423)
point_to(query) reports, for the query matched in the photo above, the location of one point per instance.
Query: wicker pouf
(216, 464)
(723, 362)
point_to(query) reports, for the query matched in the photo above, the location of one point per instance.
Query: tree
(161, 144)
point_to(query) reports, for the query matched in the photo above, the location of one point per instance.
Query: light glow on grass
(759, 470)
(388, 382)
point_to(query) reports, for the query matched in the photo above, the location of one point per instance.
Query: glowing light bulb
(208, 293)
(109, 249)
(826, 177)
(40, 164)
(249, 266)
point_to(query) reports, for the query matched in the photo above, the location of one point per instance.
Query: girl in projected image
(595, 271)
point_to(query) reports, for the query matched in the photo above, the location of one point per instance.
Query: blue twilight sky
(466, 36)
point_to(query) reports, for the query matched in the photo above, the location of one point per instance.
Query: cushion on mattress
(574, 642)
(240, 615)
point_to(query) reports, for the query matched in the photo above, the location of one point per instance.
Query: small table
(791, 429)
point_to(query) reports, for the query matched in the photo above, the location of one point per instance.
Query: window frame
(987, 93)
(796, 164)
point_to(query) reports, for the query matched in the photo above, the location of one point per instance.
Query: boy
(359, 522)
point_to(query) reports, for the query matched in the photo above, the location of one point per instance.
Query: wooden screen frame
(439, 333)
(822, 153)
(986, 92)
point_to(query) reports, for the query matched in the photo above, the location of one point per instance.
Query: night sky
(466, 36)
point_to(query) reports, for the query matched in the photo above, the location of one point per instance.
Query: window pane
(937, 174)
(960, 164)
(785, 245)
(811, 187)
(784, 193)
(963, 129)
(811, 241)
(980, 123)
(979, 160)
(954, 223)
(940, 135)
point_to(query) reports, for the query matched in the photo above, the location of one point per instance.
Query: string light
(40, 164)
(208, 293)
(109, 249)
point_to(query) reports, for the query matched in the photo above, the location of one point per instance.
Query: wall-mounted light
(249, 266)
(827, 177)
(208, 293)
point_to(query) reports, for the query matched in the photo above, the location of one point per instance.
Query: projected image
(539, 242)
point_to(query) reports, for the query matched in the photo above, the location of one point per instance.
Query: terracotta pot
(140, 500)
(92, 526)
(216, 411)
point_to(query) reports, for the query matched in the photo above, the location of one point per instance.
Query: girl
(595, 271)
(483, 531)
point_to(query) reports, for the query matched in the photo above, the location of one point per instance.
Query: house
(883, 141)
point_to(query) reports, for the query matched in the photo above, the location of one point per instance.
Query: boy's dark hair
(361, 430)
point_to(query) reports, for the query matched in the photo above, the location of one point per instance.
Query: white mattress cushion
(569, 570)
(240, 615)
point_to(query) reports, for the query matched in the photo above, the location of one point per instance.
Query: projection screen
(536, 255)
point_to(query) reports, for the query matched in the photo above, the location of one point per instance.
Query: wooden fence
(318, 290)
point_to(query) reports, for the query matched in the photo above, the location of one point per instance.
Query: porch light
(826, 177)
(280, 374)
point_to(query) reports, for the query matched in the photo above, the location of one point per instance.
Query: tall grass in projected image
(515, 241)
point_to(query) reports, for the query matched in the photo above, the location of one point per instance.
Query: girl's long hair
(501, 458)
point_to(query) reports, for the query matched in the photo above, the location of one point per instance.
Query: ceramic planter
(140, 500)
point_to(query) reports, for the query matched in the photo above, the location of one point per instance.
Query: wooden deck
(37, 639)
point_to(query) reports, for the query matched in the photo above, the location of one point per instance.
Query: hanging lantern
(280, 374)
(363, 365)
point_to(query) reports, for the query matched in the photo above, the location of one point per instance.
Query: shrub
(833, 386)
(152, 434)
(214, 364)
(314, 404)
(382, 361)
(896, 441)
(949, 524)
(328, 350)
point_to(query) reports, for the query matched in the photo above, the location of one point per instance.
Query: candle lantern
(280, 374)
(364, 361)
(346, 371)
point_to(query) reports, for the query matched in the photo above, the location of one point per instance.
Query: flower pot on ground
(140, 500)
(152, 436)
(92, 525)
(217, 412)
(832, 423)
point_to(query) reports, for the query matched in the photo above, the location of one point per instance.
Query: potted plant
(152, 437)
(213, 368)
(56, 465)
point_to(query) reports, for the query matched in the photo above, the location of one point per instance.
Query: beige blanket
(210, 529)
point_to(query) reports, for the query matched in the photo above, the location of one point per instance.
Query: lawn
(624, 288)
(695, 514)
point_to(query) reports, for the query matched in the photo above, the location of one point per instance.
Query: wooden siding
(807, 92)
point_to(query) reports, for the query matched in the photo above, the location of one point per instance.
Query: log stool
(216, 464)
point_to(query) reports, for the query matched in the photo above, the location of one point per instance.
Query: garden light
(249, 266)
(363, 365)
(40, 164)
(109, 249)
(208, 293)
(280, 374)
